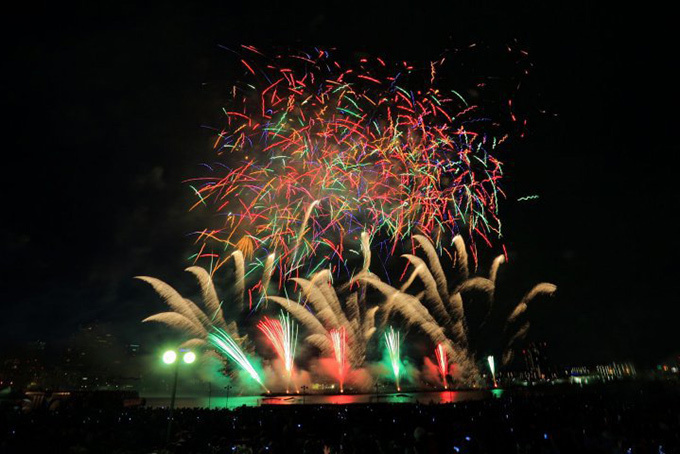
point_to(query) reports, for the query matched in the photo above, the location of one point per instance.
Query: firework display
(340, 328)
(314, 152)
(322, 163)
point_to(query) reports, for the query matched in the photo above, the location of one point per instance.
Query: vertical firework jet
(442, 363)
(393, 345)
(492, 368)
(282, 334)
(339, 341)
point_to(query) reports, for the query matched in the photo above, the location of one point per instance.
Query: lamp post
(377, 391)
(170, 357)
(304, 392)
(228, 388)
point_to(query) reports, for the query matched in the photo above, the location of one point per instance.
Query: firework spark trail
(301, 314)
(323, 282)
(268, 270)
(516, 319)
(492, 368)
(544, 288)
(366, 251)
(282, 334)
(290, 333)
(177, 321)
(205, 329)
(461, 258)
(458, 329)
(322, 308)
(353, 310)
(431, 293)
(301, 234)
(315, 151)
(410, 307)
(209, 294)
(393, 346)
(365, 269)
(240, 279)
(442, 364)
(497, 262)
(329, 313)
(447, 323)
(435, 265)
(520, 334)
(480, 285)
(339, 341)
(415, 313)
(173, 299)
(226, 345)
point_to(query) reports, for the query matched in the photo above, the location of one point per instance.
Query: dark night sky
(103, 114)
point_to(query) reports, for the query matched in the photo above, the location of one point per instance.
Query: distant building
(536, 362)
(91, 359)
(583, 375)
(616, 370)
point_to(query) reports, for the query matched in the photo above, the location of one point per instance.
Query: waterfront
(636, 417)
(216, 402)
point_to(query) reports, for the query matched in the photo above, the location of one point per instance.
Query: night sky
(104, 107)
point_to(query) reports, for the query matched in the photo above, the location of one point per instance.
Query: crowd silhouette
(630, 419)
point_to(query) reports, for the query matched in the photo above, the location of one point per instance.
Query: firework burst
(314, 152)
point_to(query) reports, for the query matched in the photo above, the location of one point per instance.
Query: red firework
(339, 341)
(442, 363)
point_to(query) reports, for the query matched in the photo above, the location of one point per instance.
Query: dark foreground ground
(620, 418)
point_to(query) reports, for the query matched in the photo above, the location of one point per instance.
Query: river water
(436, 397)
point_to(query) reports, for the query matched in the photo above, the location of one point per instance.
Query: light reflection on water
(436, 397)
